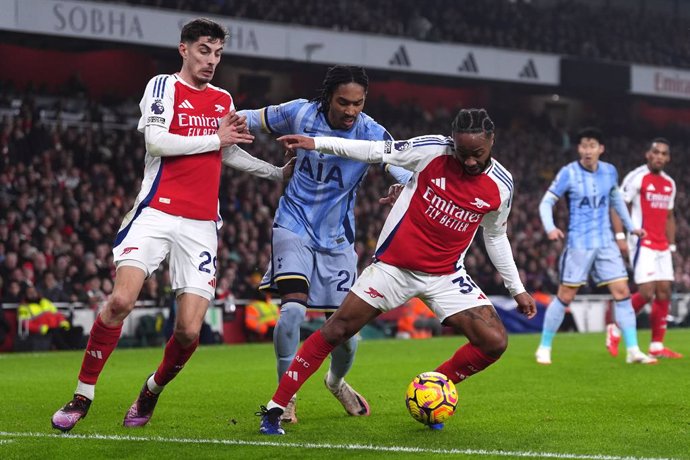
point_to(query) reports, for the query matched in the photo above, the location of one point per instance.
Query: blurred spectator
(417, 321)
(260, 318)
(39, 316)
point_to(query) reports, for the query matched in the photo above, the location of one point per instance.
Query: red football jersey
(651, 197)
(185, 185)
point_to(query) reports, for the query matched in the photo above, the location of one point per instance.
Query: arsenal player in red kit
(650, 193)
(456, 187)
(190, 128)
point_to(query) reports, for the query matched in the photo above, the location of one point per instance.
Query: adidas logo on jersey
(439, 182)
(651, 188)
(185, 105)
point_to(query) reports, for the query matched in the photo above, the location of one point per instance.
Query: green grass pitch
(587, 405)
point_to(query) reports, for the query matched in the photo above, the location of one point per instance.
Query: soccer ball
(431, 398)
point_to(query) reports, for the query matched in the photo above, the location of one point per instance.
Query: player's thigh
(193, 258)
(335, 272)
(292, 260)
(609, 267)
(145, 241)
(351, 317)
(651, 265)
(385, 287)
(575, 265)
(461, 304)
(449, 295)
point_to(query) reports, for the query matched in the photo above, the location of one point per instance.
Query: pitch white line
(362, 447)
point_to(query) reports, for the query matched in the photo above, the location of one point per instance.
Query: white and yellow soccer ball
(431, 398)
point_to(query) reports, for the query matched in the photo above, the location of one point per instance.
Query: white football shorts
(385, 287)
(189, 244)
(651, 265)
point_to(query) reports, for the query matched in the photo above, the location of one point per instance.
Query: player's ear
(183, 50)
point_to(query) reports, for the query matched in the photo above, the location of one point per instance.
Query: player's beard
(478, 169)
(205, 75)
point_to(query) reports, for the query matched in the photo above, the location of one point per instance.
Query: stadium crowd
(64, 188)
(599, 31)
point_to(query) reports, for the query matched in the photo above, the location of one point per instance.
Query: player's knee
(494, 343)
(662, 295)
(336, 332)
(119, 306)
(186, 335)
(292, 314)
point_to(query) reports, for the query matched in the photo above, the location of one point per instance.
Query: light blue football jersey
(590, 195)
(319, 200)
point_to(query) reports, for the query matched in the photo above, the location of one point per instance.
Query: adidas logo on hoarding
(400, 58)
(439, 182)
(529, 71)
(185, 105)
(469, 64)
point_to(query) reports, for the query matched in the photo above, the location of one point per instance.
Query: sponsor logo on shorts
(373, 293)
(128, 249)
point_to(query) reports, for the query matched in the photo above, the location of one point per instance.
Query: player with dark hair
(314, 262)
(190, 129)
(455, 187)
(650, 192)
(591, 189)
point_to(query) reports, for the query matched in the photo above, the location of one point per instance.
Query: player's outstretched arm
(235, 157)
(162, 143)
(364, 151)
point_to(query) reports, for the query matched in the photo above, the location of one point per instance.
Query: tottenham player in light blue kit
(591, 189)
(314, 263)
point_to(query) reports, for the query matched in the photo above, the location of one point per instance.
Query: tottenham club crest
(157, 107)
